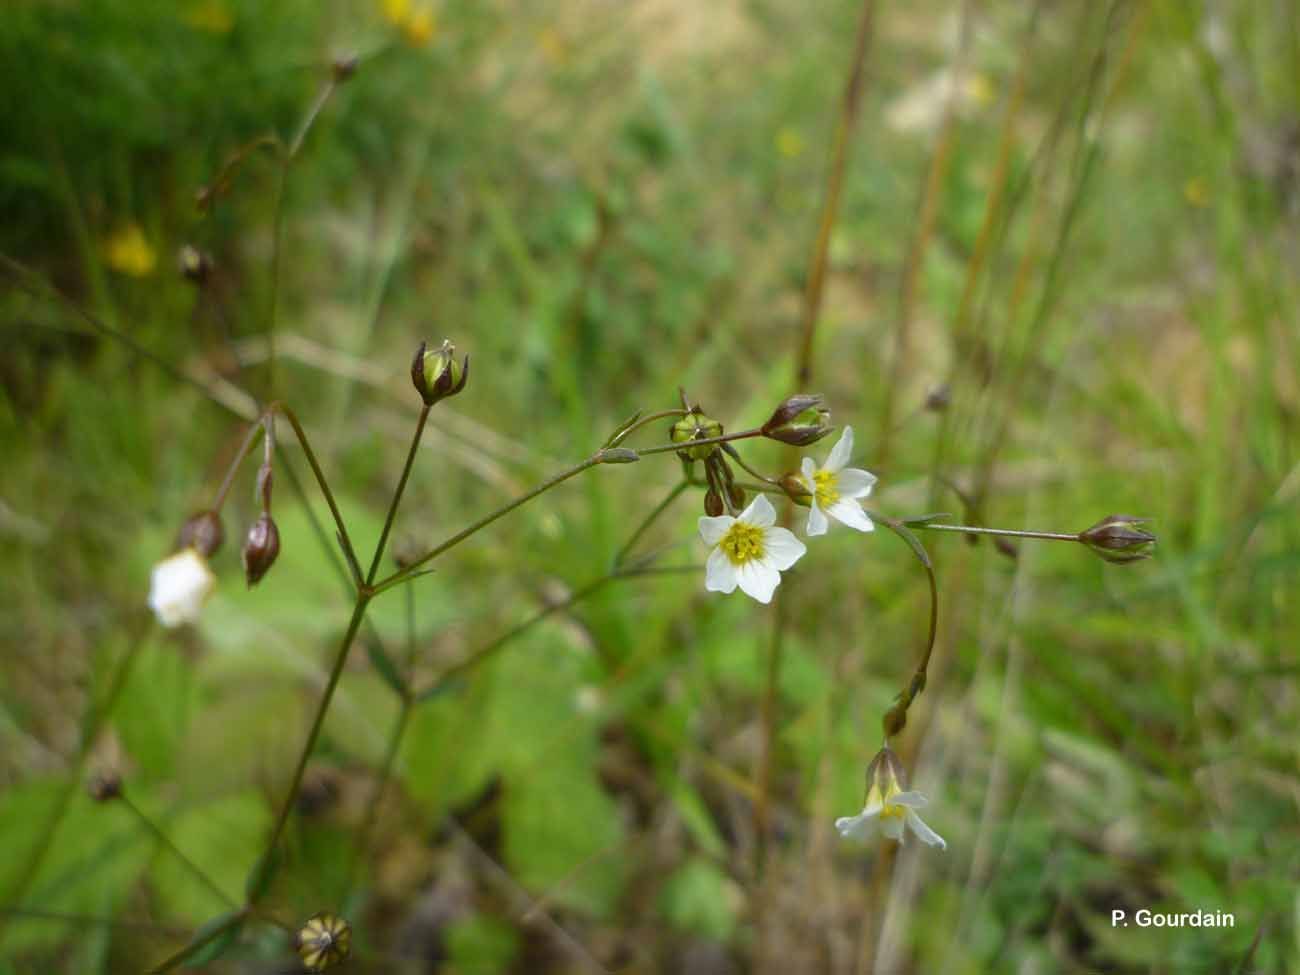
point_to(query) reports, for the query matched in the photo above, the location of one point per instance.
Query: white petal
(758, 578)
(781, 548)
(760, 513)
(712, 529)
(817, 523)
(850, 513)
(719, 573)
(841, 452)
(913, 800)
(924, 832)
(179, 586)
(853, 482)
(808, 468)
(859, 827)
(892, 826)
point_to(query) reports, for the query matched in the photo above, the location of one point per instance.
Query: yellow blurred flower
(1196, 192)
(128, 252)
(789, 142)
(212, 16)
(552, 45)
(395, 11)
(419, 27)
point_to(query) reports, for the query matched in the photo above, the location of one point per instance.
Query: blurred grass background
(1088, 240)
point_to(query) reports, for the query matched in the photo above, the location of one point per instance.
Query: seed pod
(1118, 539)
(324, 941)
(695, 426)
(712, 503)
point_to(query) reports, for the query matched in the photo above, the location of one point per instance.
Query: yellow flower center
(826, 486)
(742, 543)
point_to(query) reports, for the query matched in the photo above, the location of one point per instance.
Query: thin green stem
(1006, 532)
(408, 570)
(735, 455)
(649, 520)
(725, 438)
(643, 421)
(165, 841)
(234, 920)
(377, 794)
(340, 659)
(397, 495)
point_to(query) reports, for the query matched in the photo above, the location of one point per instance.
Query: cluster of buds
(436, 374)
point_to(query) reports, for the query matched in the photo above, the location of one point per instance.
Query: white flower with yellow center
(179, 586)
(748, 551)
(834, 488)
(888, 807)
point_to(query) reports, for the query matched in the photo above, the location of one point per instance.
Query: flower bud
(696, 426)
(1118, 539)
(802, 419)
(344, 67)
(712, 503)
(202, 532)
(260, 548)
(105, 786)
(736, 495)
(323, 941)
(796, 489)
(194, 264)
(436, 374)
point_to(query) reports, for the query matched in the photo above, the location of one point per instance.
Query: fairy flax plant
(747, 551)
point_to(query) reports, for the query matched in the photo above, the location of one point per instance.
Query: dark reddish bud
(736, 495)
(344, 67)
(436, 374)
(202, 532)
(105, 787)
(802, 419)
(1118, 539)
(796, 489)
(938, 399)
(194, 264)
(260, 548)
(712, 503)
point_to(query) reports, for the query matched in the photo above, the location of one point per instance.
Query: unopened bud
(938, 399)
(105, 786)
(436, 374)
(712, 503)
(194, 264)
(344, 67)
(696, 426)
(260, 548)
(802, 419)
(202, 532)
(1118, 539)
(736, 495)
(796, 489)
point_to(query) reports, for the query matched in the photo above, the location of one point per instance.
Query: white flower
(748, 551)
(888, 807)
(179, 586)
(834, 487)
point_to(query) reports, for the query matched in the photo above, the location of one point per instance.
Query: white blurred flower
(748, 551)
(179, 586)
(888, 808)
(834, 488)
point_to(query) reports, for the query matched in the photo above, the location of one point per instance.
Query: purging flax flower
(179, 586)
(748, 551)
(834, 488)
(888, 807)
